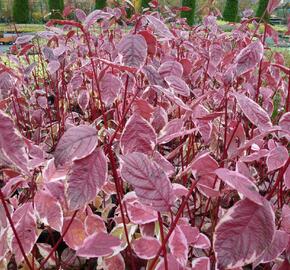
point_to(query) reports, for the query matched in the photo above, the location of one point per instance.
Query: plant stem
(14, 230)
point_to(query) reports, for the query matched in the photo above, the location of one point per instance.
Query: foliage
(231, 9)
(56, 7)
(189, 14)
(156, 147)
(261, 9)
(21, 11)
(100, 4)
(145, 3)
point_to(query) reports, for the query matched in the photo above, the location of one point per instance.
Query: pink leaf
(143, 108)
(191, 233)
(202, 263)
(159, 27)
(241, 235)
(172, 264)
(113, 263)
(89, 173)
(278, 245)
(151, 42)
(4, 248)
(272, 5)
(160, 118)
(133, 48)
(249, 57)
(255, 113)
(117, 66)
(110, 87)
(255, 156)
(171, 68)
(287, 177)
(153, 76)
(139, 213)
(167, 167)
(203, 168)
(151, 184)
(25, 224)
(53, 66)
(76, 143)
(277, 158)
(202, 242)
(138, 136)
(80, 14)
(75, 235)
(284, 123)
(178, 245)
(97, 245)
(83, 99)
(93, 224)
(48, 209)
(11, 143)
(146, 247)
(285, 219)
(178, 85)
(94, 16)
(240, 183)
(171, 96)
(171, 127)
(24, 39)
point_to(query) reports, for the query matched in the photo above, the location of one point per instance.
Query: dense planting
(158, 146)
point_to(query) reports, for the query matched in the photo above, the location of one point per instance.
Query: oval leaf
(249, 57)
(138, 136)
(146, 247)
(240, 183)
(97, 245)
(25, 224)
(151, 183)
(159, 27)
(277, 158)
(11, 143)
(241, 235)
(178, 245)
(87, 175)
(171, 68)
(202, 263)
(49, 209)
(277, 246)
(110, 87)
(255, 113)
(178, 85)
(133, 48)
(76, 143)
(24, 39)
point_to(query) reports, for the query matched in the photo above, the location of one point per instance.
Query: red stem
(288, 95)
(173, 225)
(162, 240)
(58, 241)
(278, 180)
(13, 229)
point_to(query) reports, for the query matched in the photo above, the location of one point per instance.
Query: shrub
(157, 148)
(21, 11)
(231, 9)
(56, 8)
(145, 3)
(261, 10)
(189, 14)
(100, 4)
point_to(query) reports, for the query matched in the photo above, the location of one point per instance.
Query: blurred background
(40, 10)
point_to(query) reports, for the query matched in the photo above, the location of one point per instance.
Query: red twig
(173, 225)
(58, 241)
(14, 230)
